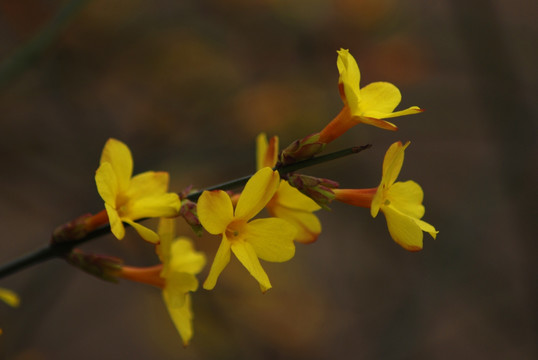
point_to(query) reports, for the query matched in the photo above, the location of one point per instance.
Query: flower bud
(73, 230)
(318, 189)
(189, 213)
(102, 266)
(300, 150)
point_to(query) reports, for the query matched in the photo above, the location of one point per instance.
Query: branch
(62, 248)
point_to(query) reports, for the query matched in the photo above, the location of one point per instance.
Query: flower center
(121, 203)
(236, 230)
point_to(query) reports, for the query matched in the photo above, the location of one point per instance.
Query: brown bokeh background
(188, 85)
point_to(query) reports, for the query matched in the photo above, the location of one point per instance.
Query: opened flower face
(288, 203)
(175, 276)
(400, 202)
(130, 198)
(180, 265)
(269, 239)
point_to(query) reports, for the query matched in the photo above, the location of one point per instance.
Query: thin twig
(60, 249)
(283, 170)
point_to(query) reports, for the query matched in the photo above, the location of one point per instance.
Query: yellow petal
(403, 229)
(178, 284)
(257, 193)
(376, 202)
(144, 232)
(261, 150)
(266, 152)
(222, 258)
(272, 239)
(392, 163)
(119, 156)
(181, 315)
(116, 226)
(292, 198)
(149, 183)
(307, 224)
(9, 297)
(246, 254)
(407, 198)
(346, 64)
(424, 226)
(350, 77)
(380, 96)
(184, 258)
(107, 183)
(382, 124)
(166, 231)
(161, 205)
(382, 115)
(215, 211)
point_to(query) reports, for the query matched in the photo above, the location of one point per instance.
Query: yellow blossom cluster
(234, 218)
(291, 200)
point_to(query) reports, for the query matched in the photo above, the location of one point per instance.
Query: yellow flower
(10, 298)
(288, 203)
(180, 263)
(369, 105)
(130, 198)
(269, 239)
(175, 276)
(400, 202)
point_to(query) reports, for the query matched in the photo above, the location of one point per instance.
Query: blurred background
(188, 85)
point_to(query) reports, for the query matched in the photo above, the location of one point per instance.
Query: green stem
(284, 170)
(61, 249)
(52, 250)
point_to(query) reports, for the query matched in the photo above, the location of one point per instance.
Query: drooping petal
(116, 226)
(246, 254)
(382, 115)
(292, 198)
(374, 121)
(256, 194)
(107, 183)
(9, 297)
(424, 226)
(179, 284)
(181, 315)
(306, 223)
(215, 211)
(379, 96)
(403, 229)
(271, 239)
(222, 258)
(184, 258)
(149, 183)
(350, 78)
(407, 198)
(166, 231)
(161, 205)
(146, 234)
(119, 156)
